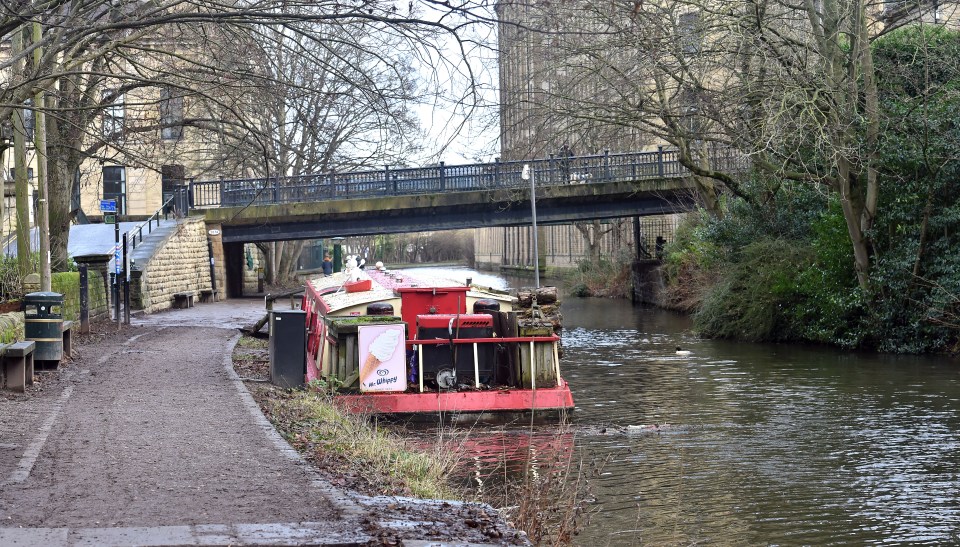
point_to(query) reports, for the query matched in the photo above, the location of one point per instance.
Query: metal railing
(175, 204)
(657, 165)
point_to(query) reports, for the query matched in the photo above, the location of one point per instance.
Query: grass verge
(351, 451)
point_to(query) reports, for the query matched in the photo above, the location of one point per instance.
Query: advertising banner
(382, 358)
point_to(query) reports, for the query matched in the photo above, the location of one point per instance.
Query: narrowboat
(400, 345)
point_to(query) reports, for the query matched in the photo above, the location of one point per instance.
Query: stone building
(153, 119)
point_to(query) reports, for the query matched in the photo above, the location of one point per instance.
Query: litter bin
(288, 347)
(43, 323)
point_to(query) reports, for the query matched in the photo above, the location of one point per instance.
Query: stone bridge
(448, 197)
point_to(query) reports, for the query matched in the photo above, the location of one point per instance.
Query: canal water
(742, 444)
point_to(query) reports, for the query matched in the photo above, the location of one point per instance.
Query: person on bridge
(566, 153)
(327, 265)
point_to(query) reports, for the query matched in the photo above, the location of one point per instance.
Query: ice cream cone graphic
(380, 350)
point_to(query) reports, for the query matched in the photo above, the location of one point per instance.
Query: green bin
(43, 323)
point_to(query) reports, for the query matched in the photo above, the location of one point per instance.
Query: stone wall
(11, 327)
(252, 262)
(648, 283)
(98, 284)
(219, 263)
(182, 264)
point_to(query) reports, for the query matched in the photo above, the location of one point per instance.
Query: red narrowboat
(399, 345)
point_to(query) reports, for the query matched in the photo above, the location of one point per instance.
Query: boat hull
(499, 400)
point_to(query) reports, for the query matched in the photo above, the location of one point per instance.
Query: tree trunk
(852, 214)
(289, 257)
(61, 182)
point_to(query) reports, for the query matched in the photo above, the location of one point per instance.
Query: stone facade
(252, 262)
(182, 264)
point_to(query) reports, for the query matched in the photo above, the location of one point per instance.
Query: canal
(741, 443)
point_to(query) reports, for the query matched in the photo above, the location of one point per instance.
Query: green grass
(312, 421)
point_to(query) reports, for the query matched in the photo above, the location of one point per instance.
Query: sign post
(109, 209)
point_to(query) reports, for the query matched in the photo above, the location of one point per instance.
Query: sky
(457, 131)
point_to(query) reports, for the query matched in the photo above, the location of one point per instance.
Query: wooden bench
(67, 330)
(17, 364)
(208, 295)
(183, 300)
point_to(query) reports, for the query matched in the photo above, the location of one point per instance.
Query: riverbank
(357, 453)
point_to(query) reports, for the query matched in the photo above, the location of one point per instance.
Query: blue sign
(118, 259)
(108, 205)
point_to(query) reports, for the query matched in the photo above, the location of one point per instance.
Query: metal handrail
(633, 166)
(138, 230)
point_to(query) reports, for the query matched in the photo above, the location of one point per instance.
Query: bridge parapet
(622, 167)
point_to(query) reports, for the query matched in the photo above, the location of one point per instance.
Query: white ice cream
(385, 345)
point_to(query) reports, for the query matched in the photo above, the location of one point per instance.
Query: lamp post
(528, 174)
(337, 253)
(6, 141)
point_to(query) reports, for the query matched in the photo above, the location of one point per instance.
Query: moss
(11, 327)
(68, 284)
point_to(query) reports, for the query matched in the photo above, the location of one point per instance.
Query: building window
(13, 173)
(171, 177)
(689, 29)
(113, 116)
(29, 122)
(171, 114)
(115, 186)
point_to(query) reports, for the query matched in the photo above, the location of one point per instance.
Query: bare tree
(93, 54)
(790, 85)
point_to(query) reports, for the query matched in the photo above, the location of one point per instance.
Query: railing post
(84, 299)
(660, 161)
(443, 181)
(633, 166)
(606, 165)
(553, 168)
(276, 189)
(391, 183)
(496, 172)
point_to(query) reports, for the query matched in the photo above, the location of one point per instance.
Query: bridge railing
(659, 164)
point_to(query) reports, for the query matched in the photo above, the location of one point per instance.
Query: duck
(682, 351)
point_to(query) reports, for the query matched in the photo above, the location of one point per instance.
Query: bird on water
(682, 351)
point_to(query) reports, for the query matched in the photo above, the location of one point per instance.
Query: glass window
(115, 186)
(171, 114)
(113, 116)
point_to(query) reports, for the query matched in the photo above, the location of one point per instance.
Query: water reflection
(758, 444)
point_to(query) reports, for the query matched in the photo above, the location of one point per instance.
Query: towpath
(149, 438)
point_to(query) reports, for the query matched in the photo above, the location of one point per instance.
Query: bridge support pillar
(218, 259)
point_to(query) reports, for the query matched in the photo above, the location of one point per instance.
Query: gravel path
(149, 438)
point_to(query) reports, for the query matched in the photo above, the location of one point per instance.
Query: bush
(609, 278)
(753, 300)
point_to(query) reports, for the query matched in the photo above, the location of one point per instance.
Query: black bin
(43, 323)
(288, 348)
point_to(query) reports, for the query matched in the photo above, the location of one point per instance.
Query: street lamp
(528, 174)
(337, 253)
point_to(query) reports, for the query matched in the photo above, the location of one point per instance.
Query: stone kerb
(181, 264)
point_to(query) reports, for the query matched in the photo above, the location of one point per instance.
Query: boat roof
(384, 286)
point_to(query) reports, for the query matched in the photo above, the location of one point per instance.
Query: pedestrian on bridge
(566, 153)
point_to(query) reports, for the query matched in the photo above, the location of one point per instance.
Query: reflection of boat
(405, 347)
